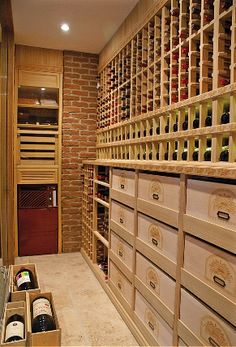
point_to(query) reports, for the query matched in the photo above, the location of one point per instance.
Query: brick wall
(78, 139)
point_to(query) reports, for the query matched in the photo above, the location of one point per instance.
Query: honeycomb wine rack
(170, 94)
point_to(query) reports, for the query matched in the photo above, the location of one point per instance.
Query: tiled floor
(86, 315)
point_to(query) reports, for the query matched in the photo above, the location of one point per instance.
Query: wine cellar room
(118, 173)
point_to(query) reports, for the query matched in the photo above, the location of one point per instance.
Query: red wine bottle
(15, 328)
(208, 120)
(207, 154)
(185, 123)
(24, 279)
(196, 120)
(224, 155)
(196, 151)
(225, 115)
(42, 318)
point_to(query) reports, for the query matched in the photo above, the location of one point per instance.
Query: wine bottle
(196, 151)
(157, 156)
(175, 126)
(24, 279)
(150, 155)
(208, 120)
(158, 130)
(42, 318)
(175, 153)
(185, 123)
(207, 154)
(167, 128)
(224, 5)
(185, 153)
(224, 155)
(15, 328)
(151, 131)
(225, 116)
(196, 120)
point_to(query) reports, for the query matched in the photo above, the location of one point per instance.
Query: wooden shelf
(123, 198)
(37, 126)
(102, 202)
(101, 238)
(105, 184)
(51, 107)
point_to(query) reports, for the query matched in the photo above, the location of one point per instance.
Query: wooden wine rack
(169, 95)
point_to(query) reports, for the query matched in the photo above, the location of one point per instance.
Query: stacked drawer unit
(156, 256)
(122, 226)
(143, 253)
(208, 275)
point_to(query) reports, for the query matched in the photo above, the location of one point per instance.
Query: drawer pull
(223, 215)
(155, 242)
(152, 284)
(122, 186)
(120, 253)
(119, 285)
(155, 196)
(121, 221)
(213, 343)
(219, 281)
(151, 326)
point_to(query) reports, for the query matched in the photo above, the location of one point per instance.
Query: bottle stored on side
(42, 317)
(24, 279)
(207, 154)
(15, 328)
(224, 154)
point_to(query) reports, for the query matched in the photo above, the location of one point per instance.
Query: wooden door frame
(6, 133)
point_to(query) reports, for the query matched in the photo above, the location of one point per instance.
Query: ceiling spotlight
(65, 27)
(43, 88)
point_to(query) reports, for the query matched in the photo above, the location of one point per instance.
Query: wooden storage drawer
(38, 79)
(120, 282)
(156, 280)
(181, 343)
(123, 215)
(122, 249)
(124, 181)
(160, 190)
(159, 236)
(212, 201)
(211, 265)
(210, 328)
(153, 322)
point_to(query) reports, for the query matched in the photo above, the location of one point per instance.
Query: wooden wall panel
(142, 12)
(34, 58)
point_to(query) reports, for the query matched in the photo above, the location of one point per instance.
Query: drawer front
(160, 330)
(123, 181)
(212, 201)
(159, 236)
(156, 280)
(122, 249)
(205, 324)
(159, 190)
(123, 215)
(121, 283)
(212, 265)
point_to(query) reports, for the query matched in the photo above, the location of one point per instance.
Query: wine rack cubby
(169, 95)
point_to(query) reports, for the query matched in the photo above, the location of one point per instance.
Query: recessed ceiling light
(65, 27)
(43, 88)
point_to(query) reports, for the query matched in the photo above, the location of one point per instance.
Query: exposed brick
(78, 139)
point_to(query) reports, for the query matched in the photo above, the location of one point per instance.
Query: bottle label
(22, 277)
(15, 328)
(41, 306)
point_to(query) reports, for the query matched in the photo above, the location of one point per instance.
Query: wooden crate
(204, 324)
(152, 322)
(161, 285)
(159, 190)
(211, 265)
(121, 283)
(123, 181)
(48, 338)
(18, 307)
(158, 236)
(123, 216)
(122, 249)
(21, 295)
(212, 201)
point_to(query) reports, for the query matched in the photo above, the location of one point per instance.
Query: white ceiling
(92, 22)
